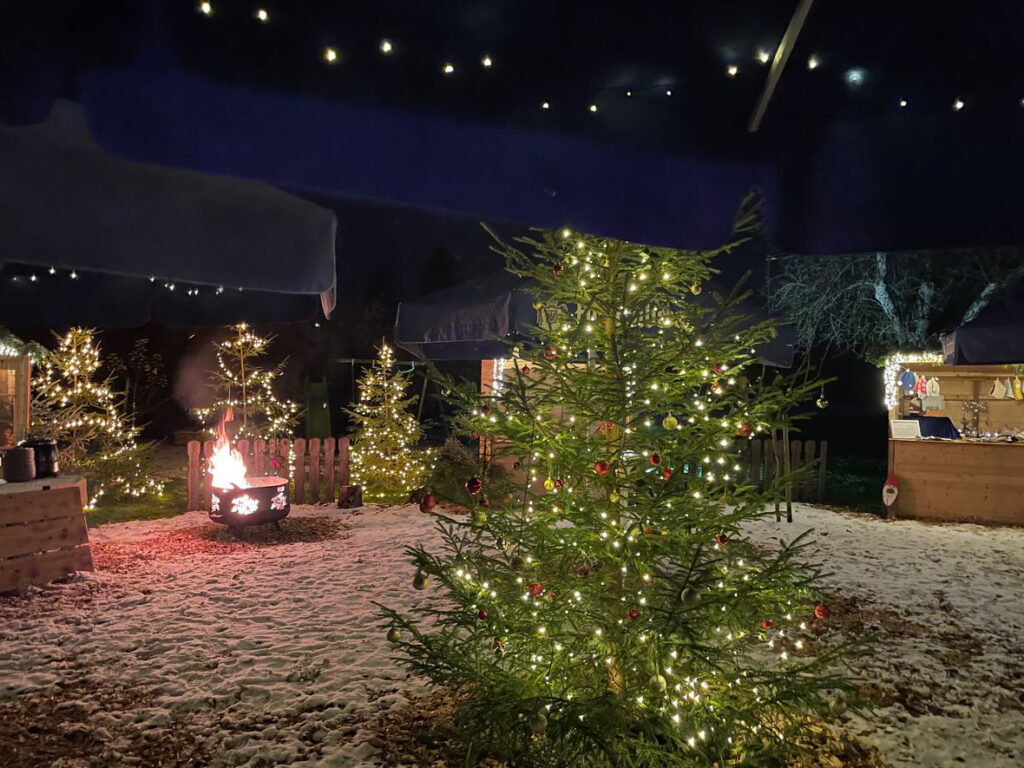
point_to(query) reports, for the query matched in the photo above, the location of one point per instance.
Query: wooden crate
(43, 536)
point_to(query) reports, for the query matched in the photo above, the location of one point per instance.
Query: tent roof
(482, 318)
(65, 203)
(994, 337)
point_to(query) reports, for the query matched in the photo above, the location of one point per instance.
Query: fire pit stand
(263, 500)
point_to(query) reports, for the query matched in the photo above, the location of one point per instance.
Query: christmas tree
(385, 461)
(601, 606)
(246, 389)
(77, 406)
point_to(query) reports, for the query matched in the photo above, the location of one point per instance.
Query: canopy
(481, 318)
(67, 204)
(994, 337)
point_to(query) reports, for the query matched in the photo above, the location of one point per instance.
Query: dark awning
(483, 318)
(994, 337)
(66, 203)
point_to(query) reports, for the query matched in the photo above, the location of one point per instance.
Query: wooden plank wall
(320, 467)
(43, 536)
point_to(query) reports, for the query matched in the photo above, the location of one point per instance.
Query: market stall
(956, 440)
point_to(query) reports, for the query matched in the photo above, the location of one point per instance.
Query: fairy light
(262, 15)
(813, 62)
(448, 68)
(486, 62)
(330, 55)
(205, 8)
(732, 70)
(386, 46)
(894, 365)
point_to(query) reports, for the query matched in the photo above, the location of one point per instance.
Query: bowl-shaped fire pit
(262, 500)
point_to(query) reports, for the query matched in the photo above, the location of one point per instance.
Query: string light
(263, 15)
(487, 62)
(894, 365)
(448, 68)
(958, 104)
(330, 55)
(903, 103)
(205, 8)
(592, 108)
(732, 70)
(763, 56)
(813, 62)
(545, 105)
(386, 46)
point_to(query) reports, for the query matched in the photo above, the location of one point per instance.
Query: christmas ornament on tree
(767, 624)
(821, 611)
(670, 422)
(474, 485)
(601, 467)
(482, 615)
(549, 484)
(721, 538)
(419, 581)
(394, 635)
(427, 503)
(655, 459)
(744, 430)
(384, 458)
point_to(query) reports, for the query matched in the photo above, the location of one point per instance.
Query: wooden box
(43, 535)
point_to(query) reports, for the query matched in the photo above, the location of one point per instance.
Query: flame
(226, 464)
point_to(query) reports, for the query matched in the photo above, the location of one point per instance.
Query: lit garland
(247, 390)
(384, 459)
(895, 364)
(85, 416)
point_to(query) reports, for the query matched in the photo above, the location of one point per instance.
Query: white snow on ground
(276, 654)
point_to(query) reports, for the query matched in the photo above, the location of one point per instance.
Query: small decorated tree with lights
(76, 405)
(245, 389)
(601, 605)
(385, 460)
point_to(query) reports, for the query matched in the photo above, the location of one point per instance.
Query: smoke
(192, 381)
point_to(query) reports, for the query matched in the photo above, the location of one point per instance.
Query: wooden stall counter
(959, 480)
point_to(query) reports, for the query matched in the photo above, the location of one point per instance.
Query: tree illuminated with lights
(74, 404)
(385, 460)
(601, 605)
(245, 388)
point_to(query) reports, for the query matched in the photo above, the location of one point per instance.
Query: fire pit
(238, 500)
(261, 500)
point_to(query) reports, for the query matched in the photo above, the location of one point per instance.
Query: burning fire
(226, 464)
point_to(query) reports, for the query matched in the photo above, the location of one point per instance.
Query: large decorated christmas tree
(385, 459)
(244, 387)
(77, 405)
(601, 604)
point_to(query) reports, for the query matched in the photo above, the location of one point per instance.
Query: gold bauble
(670, 422)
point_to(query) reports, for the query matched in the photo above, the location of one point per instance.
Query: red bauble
(482, 614)
(559, 483)
(427, 503)
(655, 459)
(516, 465)
(650, 530)
(744, 430)
(718, 368)
(526, 370)
(473, 485)
(601, 467)
(666, 473)
(550, 354)
(715, 387)
(633, 614)
(721, 538)
(486, 410)
(821, 611)
(559, 270)
(537, 589)
(767, 624)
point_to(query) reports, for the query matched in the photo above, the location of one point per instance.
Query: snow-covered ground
(271, 655)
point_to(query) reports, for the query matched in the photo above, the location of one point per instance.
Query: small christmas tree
(246, 389)
(77, 406)
(384, 459)
(601, 605)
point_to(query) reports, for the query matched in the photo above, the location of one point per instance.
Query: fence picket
(822, 466)
(193, 474)
(314, 470)
(329, 470)
(300, 470)
(259, 456)
(343, 473)
(208, 484)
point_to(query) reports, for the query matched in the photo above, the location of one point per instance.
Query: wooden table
(43, 534)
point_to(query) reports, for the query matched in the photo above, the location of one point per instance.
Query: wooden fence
(763, 462)
(320, 467)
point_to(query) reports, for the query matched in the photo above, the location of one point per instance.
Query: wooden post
(193, 475)
(208, 485)
(300, 471)
(343, 474)
(259, 457)
(314, 470)
(329, 469)
(822, 468)
(795, 462)
(807, 493)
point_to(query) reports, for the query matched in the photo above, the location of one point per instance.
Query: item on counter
(908, 381)
(1009, 388)
(45, 451)
(998, 390)
(921, 387)
(19, 465)
(1018, 390)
